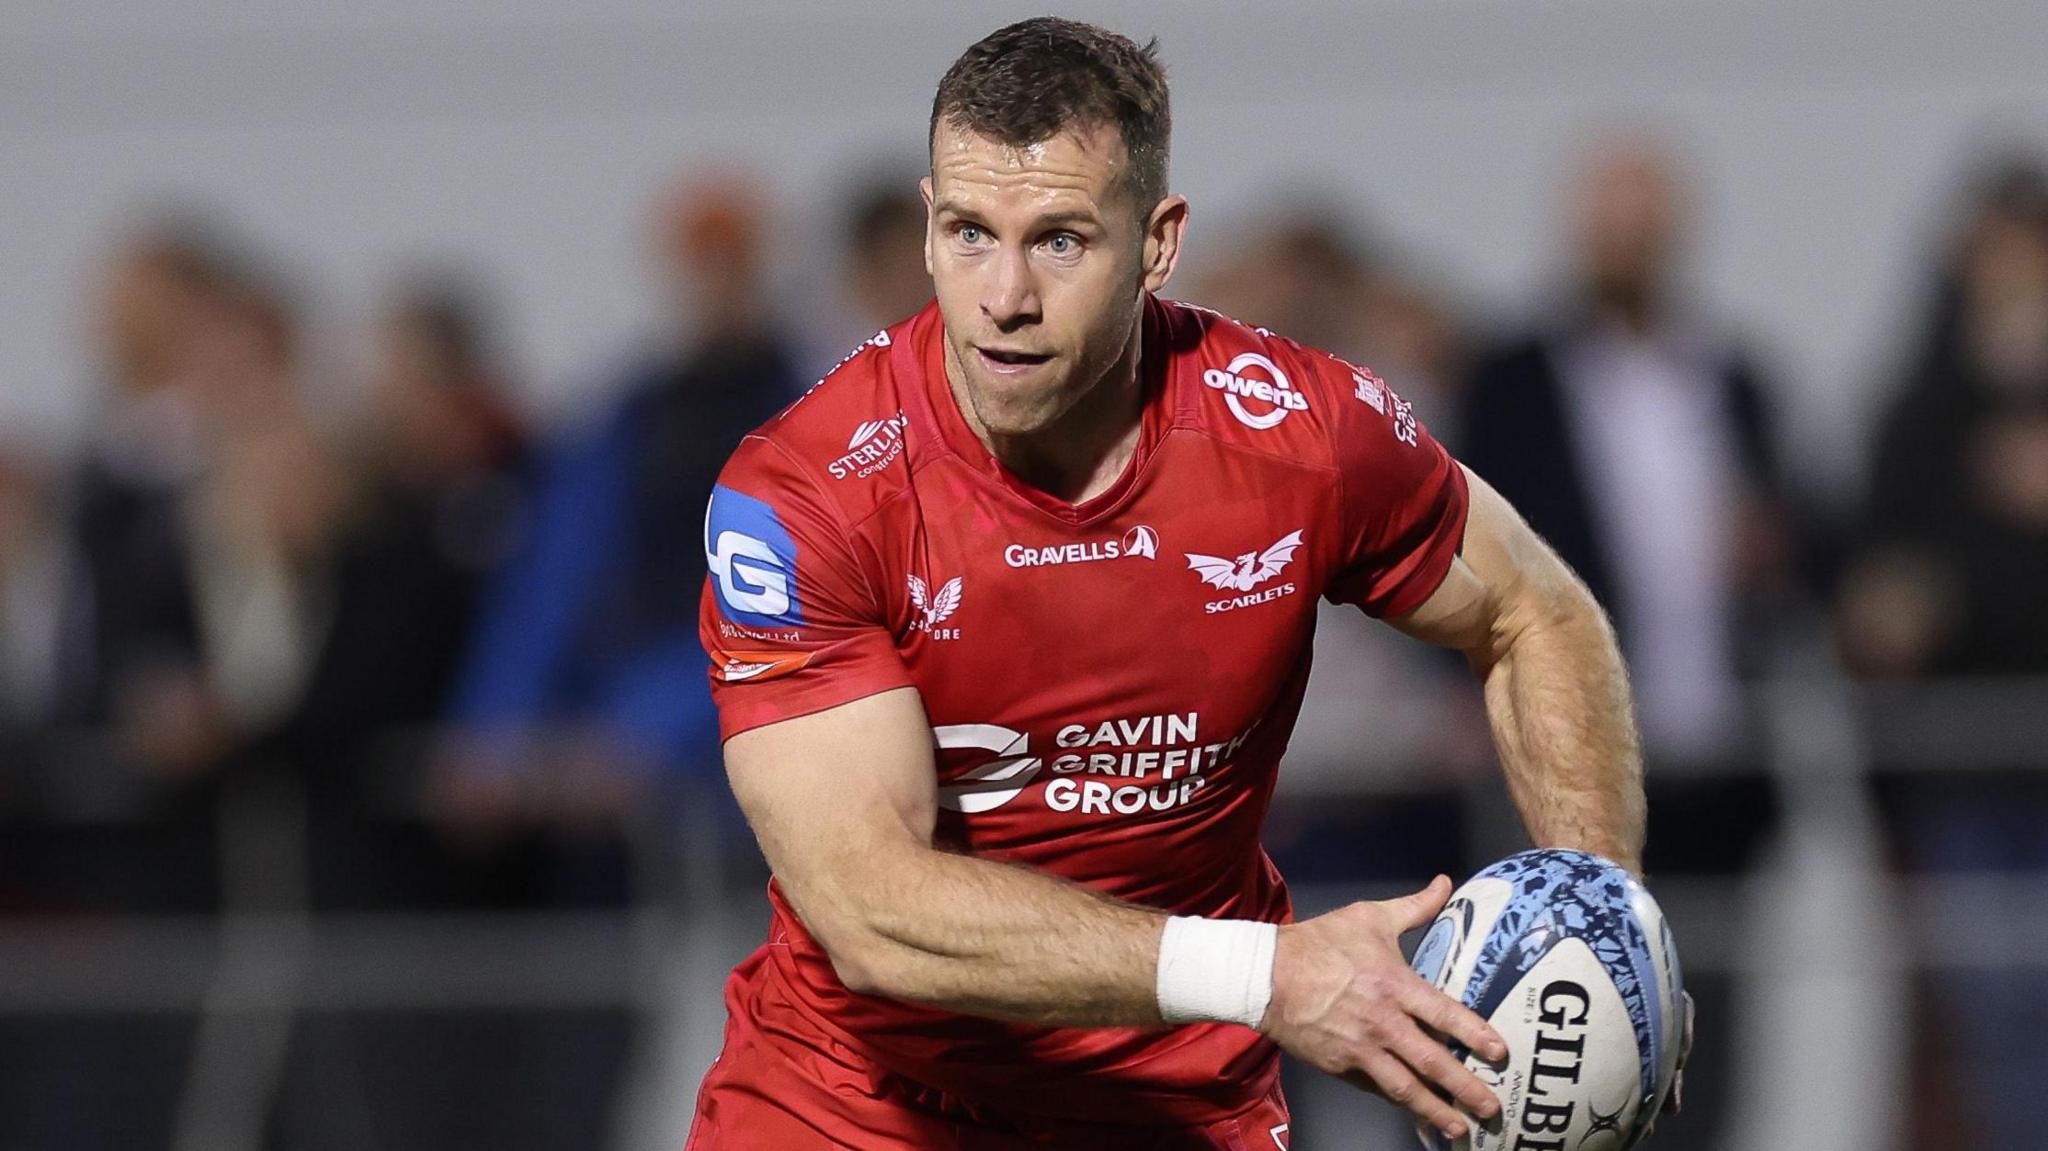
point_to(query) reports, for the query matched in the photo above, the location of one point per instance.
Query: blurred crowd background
(363, 378)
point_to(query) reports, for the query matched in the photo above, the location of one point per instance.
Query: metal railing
(1823, 927)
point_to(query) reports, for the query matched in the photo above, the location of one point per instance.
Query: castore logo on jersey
(935, 609)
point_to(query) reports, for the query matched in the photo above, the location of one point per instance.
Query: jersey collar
(921, 359)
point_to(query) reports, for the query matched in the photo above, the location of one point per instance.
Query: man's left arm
(1557, 691)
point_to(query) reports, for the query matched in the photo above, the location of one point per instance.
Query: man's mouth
(1008, 360)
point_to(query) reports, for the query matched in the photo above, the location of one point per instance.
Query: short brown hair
(1036, 78)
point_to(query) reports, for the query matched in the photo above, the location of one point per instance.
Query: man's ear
(1164, 228)
(924, 188)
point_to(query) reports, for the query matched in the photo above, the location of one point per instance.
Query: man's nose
(1011, 298)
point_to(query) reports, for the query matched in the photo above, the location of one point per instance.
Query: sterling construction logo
(1257, 403)
(1140, 542)
(1246, 572)
(875, 445)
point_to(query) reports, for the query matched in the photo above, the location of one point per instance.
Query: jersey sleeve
(1403, 497)
(788, 614)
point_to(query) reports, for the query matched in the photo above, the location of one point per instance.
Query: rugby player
(1010, 619)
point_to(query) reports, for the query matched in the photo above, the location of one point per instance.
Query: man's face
(1627, 219)
(1040, 260)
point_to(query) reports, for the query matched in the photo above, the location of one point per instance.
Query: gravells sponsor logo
(935, 608)
(1561, 1010)
(752, 562)
(742, 666)
(875, 444)
(1140, 542)
(1246, 572)
(1256, 391)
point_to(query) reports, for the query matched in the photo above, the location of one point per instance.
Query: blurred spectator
(881, 277)
(194, 604)
(32, 577)
(202, 515)
(131, 648)
(199, 524)
(1304, 276)
(1636, 438)
(586, 674)
(883, 271)
(1951, 583)
(1956, 536)
(437, 505)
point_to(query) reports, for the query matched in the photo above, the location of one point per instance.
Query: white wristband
(1215, 969)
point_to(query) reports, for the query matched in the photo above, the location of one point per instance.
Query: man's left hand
(1675, 1101)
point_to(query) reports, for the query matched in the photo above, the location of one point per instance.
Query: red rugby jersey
(1111, 685)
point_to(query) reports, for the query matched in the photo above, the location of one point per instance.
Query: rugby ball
(1570, 960)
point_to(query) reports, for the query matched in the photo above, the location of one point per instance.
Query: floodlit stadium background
(269, 879)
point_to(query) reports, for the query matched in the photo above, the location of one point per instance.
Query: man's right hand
(1346, 1002)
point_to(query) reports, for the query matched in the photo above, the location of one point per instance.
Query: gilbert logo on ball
(1570, 960)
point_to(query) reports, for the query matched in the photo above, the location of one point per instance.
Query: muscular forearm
(986, 938)
(1558, 700)
(900, 917)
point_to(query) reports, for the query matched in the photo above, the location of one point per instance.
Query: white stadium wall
(528, 135)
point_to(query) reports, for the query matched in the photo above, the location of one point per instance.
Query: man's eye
(1062, 243)
(969, 234)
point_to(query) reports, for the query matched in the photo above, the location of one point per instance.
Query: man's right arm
(851, 846)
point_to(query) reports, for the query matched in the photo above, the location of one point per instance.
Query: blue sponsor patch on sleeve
(752, 561)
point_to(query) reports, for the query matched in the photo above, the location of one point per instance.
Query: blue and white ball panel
(752, 562)
(1569, 958)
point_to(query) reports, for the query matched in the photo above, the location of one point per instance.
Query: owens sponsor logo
(1257, 403)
